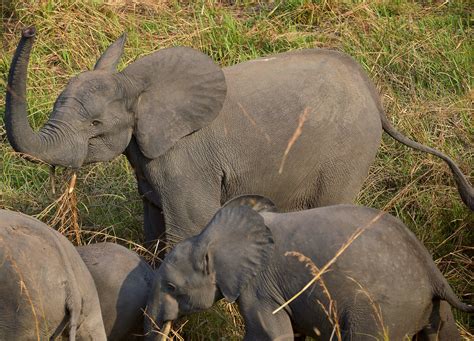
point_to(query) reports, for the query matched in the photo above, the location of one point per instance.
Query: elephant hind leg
(442, 325)
(361, 324)
(337, 182)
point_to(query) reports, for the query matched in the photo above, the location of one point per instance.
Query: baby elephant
(123, 282)
(45, 288)
(384, 284)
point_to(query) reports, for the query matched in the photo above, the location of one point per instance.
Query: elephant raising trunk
(198, 135)
(44, 145)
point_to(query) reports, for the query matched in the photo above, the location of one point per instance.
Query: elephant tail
(73, 319)
(443, 291)
(466, 191)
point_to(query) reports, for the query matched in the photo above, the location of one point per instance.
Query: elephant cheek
(107, 147)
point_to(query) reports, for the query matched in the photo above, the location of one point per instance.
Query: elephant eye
(95, 122)
(171, 287)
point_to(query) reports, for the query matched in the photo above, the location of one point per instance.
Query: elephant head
(159, 99)
(219, 262)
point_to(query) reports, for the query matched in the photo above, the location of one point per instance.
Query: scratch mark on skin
(294, 138)
(264, 59)
(225, 126)
(246, 114)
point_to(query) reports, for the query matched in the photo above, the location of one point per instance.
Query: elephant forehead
(178, 260)
(90, 83)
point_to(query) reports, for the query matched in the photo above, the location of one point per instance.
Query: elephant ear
(258, 203)
(111, 57)
(184, 91)
(236, 245)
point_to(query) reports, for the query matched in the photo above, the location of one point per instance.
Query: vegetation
(419, 54)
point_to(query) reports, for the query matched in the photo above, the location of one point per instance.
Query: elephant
(382, 285)
(123, 281)
(301, 128)
(46, 289)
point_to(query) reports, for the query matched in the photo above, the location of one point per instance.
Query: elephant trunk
(47, 145)
(162, 309)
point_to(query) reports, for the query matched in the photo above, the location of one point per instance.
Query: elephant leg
(340, 181)
(154, 228)
(261, 324)
(442, 325)
(153, 220)
(361, 325)
(299, 337)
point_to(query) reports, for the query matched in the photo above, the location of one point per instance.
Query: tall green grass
(419, 54)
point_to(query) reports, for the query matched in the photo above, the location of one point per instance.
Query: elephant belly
(312, 173)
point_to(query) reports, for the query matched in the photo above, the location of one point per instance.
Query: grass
(419, 54)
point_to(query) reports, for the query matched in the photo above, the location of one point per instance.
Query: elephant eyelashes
(207, 270)
(171, 287)
(95, 123)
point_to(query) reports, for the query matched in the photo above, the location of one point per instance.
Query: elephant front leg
(153, 217)
(261, 324)
(154, 228)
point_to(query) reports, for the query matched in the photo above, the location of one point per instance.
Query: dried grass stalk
(66, 218)
(299, 129)
(331, 311)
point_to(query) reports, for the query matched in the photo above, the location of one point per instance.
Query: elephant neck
(266, 284)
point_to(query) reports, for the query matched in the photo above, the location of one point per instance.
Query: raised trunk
(161, 310)
(19, 133)
(46, 144)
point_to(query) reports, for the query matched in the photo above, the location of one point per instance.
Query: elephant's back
(375, 262)
(328, 86)
(33, 285)
(54, 279)
(123, 281)
(375, 238)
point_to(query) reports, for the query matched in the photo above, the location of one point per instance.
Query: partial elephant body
(243, 149)
(383, 285)
(301, 128)
(46, 290)
(123, 282)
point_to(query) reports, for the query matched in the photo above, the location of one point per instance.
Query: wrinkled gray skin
(123, 282)
(198, 135)
(45, 288)
(241, 255)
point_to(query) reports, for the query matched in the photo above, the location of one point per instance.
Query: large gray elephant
(46, 289)
(384, 285)
(301, 128)
(123, 281)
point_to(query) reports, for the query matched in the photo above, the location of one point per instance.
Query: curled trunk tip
(29, 32)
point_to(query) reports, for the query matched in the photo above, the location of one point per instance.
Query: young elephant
(384, 284)
(45, 288)
(123, 282)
